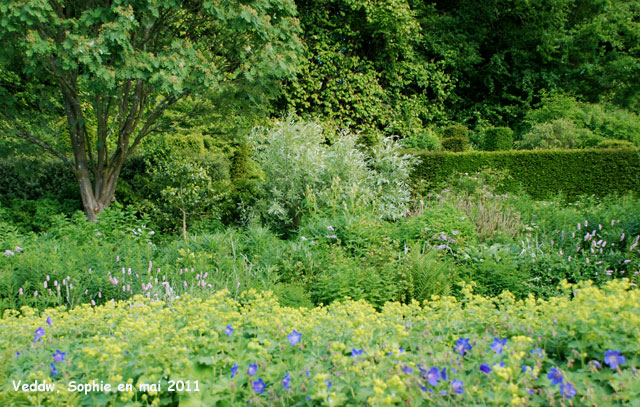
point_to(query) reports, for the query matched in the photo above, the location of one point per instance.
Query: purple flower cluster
(567, 389)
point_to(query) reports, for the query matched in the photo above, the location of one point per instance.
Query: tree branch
(26, 135)
(146, 128)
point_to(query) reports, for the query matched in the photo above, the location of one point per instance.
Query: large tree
(105, 72)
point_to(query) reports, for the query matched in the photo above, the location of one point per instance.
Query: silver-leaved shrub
(299, 161)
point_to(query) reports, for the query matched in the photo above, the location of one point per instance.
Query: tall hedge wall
(543, 173)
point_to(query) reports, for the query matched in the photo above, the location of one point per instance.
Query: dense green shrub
(427, 140)
(185, 144)
(32, 178)
(616, 144)
(542, 173)
(498, 138)
(456, 130)
(604, 121)
(455, 144)
(560, 133)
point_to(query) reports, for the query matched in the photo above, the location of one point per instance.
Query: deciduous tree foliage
(503, 54)
(364, 68)
(110, 69)
(397, 66)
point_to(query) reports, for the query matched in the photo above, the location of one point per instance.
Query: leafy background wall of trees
(558, 73)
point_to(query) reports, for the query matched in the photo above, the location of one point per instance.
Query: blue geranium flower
(443, 374)
(407, 369)
(234, 370)
(456, 385)
(567, 390)
(329, 384)
(433, 376)
(54, 371)
(294, 337)
(48, 321)
(258, 386)
(39, 333)
(484, 368)
(555, 376)
(253, 369)
(229, 330)
(356, 352)
(286, 381)
(58, 356)
(613, 358)
(462, 346)
(498, 344)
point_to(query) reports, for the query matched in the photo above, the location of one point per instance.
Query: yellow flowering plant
(578, 349)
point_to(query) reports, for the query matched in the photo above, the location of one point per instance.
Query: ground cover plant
(226, 351)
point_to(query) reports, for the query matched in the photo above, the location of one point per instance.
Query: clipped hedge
(542, 173)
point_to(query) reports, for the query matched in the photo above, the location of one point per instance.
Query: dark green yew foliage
(455, 144)
(498, 138)
(455, 138)
(542, 173)
(616, 144)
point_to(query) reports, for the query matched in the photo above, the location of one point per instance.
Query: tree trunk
(92, 203)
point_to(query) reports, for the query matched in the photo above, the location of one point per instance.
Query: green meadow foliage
(468, 232)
